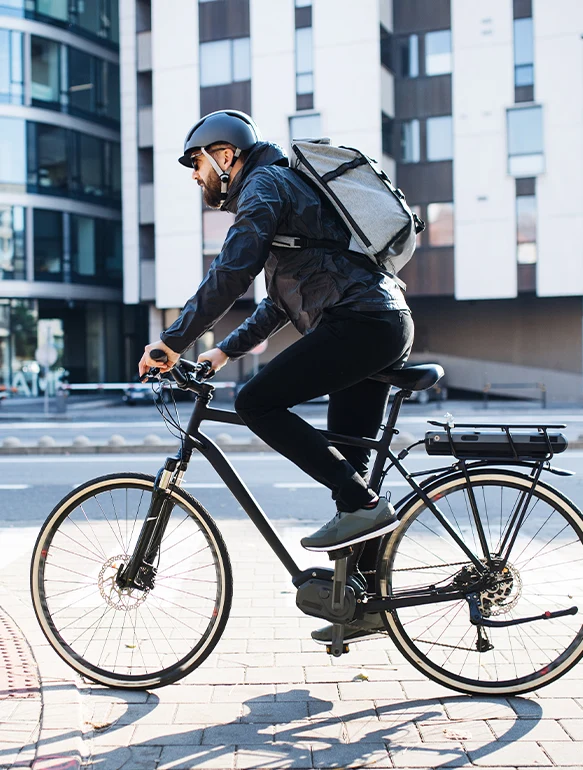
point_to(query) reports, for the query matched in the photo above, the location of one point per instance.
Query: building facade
(60, 194)
(466, 105)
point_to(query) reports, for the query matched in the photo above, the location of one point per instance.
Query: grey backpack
(381, 224)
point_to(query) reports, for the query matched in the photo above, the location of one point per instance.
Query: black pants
(336, 359)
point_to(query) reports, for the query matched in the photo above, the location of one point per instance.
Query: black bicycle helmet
(230, 126)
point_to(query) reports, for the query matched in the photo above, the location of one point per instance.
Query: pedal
(337, 648)
(345, 648)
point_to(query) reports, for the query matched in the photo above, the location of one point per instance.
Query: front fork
(140, 570)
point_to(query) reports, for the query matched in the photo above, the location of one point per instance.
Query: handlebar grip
(206, 370)
(159, 355)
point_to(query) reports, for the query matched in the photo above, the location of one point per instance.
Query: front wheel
(129, 638)
(544, 573)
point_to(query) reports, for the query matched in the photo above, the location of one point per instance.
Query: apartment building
(476, 109)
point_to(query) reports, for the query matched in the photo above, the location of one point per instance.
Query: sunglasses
(196, 157)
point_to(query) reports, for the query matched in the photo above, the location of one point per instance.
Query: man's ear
(226, 157)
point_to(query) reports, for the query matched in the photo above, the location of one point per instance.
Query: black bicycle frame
(195, 439)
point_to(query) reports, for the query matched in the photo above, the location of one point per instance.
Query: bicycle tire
(96, 538)
(519, 660)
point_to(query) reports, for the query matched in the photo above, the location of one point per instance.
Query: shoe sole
(353, 639)
(359, 539)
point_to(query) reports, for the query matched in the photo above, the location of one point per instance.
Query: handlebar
(185, 373)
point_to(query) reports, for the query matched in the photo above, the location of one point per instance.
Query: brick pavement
(268, 697)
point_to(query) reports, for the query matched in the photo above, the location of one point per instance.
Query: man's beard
(211, 192)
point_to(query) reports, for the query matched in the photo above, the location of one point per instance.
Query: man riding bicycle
(354, 322)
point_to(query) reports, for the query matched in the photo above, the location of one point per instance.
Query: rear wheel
(544, 573)
(129, 638)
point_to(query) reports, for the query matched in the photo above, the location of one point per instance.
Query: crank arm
(477, 619)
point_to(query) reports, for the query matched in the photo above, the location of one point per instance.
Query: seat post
(387, 438)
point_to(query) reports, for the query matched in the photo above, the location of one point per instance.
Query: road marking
(298, 485)
(204, 485)
(14, 486)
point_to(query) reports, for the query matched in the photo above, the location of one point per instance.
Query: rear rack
(505, 428)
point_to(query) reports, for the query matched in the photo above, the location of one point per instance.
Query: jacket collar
(262, 154)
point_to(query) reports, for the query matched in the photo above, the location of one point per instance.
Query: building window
(49, 170)
(12, 243)
(439, 138)
(95, 250)
(410, 141)
(523, 53)
(225, 61)
(48, 245)
(56, 9)
(526, 229)
(525, 141)
(83, 264)
(409, 56)
(386, 48)
(12, 154)
(440, 224)
(215, 226)
(11, 88)
(438, 52)
(303, 3)
(387, 129)
(304, 69)
(97, 18)
(93, 86)
(45, 72)
(305, 127)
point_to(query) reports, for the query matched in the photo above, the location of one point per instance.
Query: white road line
(204, 485)
(14, 486)
(298, 485)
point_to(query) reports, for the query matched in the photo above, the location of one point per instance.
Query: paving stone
(568, 753)
(168, 735)
(417, 689)
(429, 755)
(303, 659)
(333, 674)
(246, 659)
(274, 645)
(274, 675)
(239, 734)
(132, 758)
(274, 756)
(547, 708)
(344, 756)
(573, 727)
(320, 693)
(203, 758)
(333, 730)
(207, 713)
(402, 710)
(145, 713)
(458, 730)
(243, 693)
(529, 730)
(271, 713)
(216, 676)
(464, 707)
(363, 690)
(510, 754)
(113, 736)
(183, 693)
(566, 687)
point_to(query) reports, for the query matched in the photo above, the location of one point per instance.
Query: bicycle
(132, 585)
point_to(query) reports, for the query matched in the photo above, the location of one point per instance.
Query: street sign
(46, 355)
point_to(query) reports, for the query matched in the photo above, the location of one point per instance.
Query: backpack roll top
(381, 224)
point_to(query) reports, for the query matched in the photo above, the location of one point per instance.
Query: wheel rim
(127, 636)
(544, 573)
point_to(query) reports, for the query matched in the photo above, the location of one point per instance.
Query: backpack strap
(361, 260)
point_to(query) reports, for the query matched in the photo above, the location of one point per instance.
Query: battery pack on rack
(499, 442)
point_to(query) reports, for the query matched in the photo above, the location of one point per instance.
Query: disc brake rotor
(119, 598)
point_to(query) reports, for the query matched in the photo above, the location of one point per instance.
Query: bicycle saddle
(412, 377)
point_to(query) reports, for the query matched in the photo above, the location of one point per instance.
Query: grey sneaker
(369, 627)
(349, 528)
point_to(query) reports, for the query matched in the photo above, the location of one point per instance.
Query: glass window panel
(83, 246)
(241, 59)
(523, 42)
(525, 131)
(48, 245)
(305, 84)
(12, 7)
(115, 169)
(438, 52)
(303, 3)
(91, 165)
(52, 170)
(11, 90)
(526, 165)
(215, 63)
(410, 144)
(305, 127)
(109, 250)
(88, 15)
(215, 225)
(524, 75)
(304, 59)
(387, 124)
(114, 21)
(45, 70)
(58, 9)
(5, 68)
(82, 81)
(386, 40)
(440, 224)
(12, 243)
(526, 218)
(12, 154)
(410, 57)
(526, 253)
(439, 138)
(111, 91)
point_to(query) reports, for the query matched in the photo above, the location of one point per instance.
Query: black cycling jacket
(268, 197)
